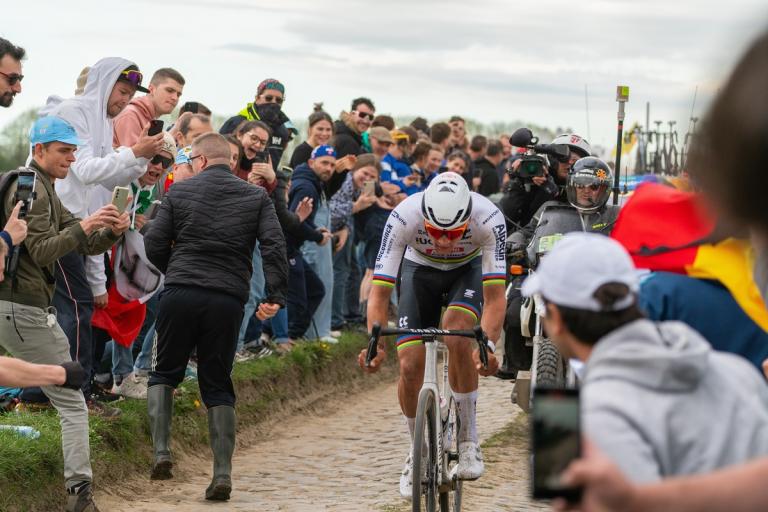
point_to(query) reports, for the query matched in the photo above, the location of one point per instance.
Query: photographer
(524, 195)
(25, 300)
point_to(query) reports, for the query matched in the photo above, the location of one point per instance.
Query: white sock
(466, 404)
(411, 425)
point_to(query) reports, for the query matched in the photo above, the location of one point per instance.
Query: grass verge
(31, 470)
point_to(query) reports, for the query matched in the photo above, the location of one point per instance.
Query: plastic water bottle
(22, 430)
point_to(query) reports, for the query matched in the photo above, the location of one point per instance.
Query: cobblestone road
(347, 458)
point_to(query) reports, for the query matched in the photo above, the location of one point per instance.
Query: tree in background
(14, 140)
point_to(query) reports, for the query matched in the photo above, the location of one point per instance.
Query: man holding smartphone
(688, 413)
(29, 328)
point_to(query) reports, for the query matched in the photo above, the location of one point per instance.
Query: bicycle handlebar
(477, 333)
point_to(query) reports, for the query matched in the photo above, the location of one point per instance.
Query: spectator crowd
(227, 247)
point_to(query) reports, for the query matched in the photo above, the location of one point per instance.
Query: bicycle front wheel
(426, 469)
(451, 495)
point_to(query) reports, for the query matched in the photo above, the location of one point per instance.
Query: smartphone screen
(369, 187)
(155, 127)
(555, 441)
(25, 191)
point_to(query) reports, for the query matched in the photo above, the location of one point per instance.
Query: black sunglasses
(193, 157)
(12, 79)
(165, 161)
(365, 115)
(277, 99)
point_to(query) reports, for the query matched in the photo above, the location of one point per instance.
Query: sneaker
(283, 348)
(131, 387)
(142, 378)
(265, 351)
(265, 338)
(406, 479)
(329, 339)
(97, 408)
(104, 395)
(81, 500)
(244, 355)
(335, 334)
(253, 345)
(470, 466)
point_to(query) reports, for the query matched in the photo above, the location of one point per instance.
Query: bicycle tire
(425, 413)
(450, 501)
(550, 371)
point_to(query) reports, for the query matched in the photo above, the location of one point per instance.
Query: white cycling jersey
(405, 235)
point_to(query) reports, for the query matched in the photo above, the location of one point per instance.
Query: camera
(534, 162)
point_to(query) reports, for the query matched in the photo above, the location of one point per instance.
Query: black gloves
(75, 375)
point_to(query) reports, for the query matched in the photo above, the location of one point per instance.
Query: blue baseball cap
(52, 129)
(323, 150)
(182, 155)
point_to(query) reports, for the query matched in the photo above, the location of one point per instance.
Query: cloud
(292, 53)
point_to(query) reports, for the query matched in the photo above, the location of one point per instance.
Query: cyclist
(587, 189)
(450, 242)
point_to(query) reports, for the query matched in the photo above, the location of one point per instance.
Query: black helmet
(594, 179)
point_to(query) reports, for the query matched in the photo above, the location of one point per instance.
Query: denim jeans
(122, 359)
(255, 297)
(320, 259)
(279, 324)
(342, 262)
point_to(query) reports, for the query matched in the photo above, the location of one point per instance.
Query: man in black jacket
(206, 259)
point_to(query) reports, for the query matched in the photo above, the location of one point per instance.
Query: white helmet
(447, 202)
(577, 144)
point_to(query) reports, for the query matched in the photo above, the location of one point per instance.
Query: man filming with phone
(29, 328)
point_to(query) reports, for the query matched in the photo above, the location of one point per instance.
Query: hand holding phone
(369, 187)
(120, 198)
(25, 191)
(155, 127)
(555, 442)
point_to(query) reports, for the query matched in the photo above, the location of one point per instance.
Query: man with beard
(10, 71)
(266, 107)
(349, 137)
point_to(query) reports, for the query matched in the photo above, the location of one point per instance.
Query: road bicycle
(437, 420)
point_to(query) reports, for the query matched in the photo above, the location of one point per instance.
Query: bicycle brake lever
(482, 340)
(373, 344)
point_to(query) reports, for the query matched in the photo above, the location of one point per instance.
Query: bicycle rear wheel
(426, 470)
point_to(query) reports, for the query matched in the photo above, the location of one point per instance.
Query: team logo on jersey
(469, 293)
(403, 322)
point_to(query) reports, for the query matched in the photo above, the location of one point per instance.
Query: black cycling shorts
(423, 291)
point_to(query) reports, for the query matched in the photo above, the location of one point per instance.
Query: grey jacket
(658, 401)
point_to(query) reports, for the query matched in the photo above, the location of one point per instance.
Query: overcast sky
(493, 60)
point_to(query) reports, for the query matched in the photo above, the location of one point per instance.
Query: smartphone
(25, 191)
(120, 198)
(261, 157)
(155, 127)
(555, 442)
(369, 187)
(152, 210)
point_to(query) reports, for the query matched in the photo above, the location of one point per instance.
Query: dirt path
(347, 458)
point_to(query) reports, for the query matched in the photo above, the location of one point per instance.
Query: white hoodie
(97, 164)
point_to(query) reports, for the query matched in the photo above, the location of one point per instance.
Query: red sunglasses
(437, 233)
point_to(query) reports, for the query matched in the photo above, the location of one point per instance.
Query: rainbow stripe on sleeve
(407, 341)
(465, 307)
(493, 279)
(384, 280)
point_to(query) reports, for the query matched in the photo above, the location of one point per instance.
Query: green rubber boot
(221, 428)
(160, 407)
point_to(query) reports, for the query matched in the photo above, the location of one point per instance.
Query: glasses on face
(12, 79)
(192, 158)
(132, 76)
(437, 233)
(365, 115)
(256, 140)
(164, 161)
(274, 99)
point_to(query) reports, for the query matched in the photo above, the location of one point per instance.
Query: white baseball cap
(577, 266)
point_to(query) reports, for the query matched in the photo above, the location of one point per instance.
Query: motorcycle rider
(587, 189)
(524, 196)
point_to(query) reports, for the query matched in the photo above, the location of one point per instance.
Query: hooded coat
(659, 402)
(97, 162)
(347, 141)
(304, 183)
